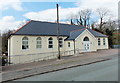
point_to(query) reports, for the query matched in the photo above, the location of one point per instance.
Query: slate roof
(96, 34)
(46, 28)
(76, 33)
(50, 29)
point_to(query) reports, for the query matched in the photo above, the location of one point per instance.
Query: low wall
(17, 59)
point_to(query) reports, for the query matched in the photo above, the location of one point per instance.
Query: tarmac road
(101, 71)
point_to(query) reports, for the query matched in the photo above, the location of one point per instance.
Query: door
(86, 46)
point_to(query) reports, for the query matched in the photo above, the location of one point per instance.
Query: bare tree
(93, 25)
(81, 18)
(72, 18)
(102, 13)
(84, 17)
(5, 37)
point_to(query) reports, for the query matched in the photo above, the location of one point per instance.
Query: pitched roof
(76, 33)
(50, 29)
(46, 28)
(96, 34)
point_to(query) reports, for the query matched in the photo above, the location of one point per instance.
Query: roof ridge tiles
(78, 30)
(56, 22)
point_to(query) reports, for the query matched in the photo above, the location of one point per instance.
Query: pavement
(92, 72)
(13, 72)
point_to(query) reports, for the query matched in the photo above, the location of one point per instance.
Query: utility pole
(58, 32)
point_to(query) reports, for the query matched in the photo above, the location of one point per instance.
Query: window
(60, 42)
(68, 44)
(98, 41)
(39, 42)
(86, 39)
(103, 41)
(25, 43)
(50, 42)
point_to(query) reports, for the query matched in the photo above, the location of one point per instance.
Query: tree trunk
(100, 27)
(85, 23)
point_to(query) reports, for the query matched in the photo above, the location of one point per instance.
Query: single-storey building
(37, 40)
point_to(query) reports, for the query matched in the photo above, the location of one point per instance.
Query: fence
(116, 46)
(17, 59)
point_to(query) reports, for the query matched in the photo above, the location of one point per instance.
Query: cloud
(15, 4)
(51, 14)
(112, 5)
(9, 23)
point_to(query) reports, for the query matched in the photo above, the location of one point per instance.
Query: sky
(14, 13)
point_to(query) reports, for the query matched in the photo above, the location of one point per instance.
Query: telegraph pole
(58, 32)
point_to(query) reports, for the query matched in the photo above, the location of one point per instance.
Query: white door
(86, 46)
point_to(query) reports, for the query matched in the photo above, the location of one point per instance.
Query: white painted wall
(101, 46)
(71, 48)
(16, 47)
(80, 43)
(16, 53)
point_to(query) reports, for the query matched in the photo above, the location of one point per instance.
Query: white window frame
(38, 43)
(25, 43)
(68, 44)
(104, 42)
(99, 42)
(86, 39)
(50, 45)
(60, 42)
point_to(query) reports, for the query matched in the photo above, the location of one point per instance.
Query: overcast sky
(14, 12)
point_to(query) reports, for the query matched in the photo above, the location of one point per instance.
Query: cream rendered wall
(16, 45)
(80, 44)
(17, 53)
(70, 50)
(101, 46)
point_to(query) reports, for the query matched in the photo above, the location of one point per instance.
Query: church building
(37, 40)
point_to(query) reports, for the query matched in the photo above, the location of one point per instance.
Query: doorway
(86, 44)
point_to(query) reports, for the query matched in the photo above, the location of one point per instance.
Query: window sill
(49, 48)
(38, 48)
(25, 49)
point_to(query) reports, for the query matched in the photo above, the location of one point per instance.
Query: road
(102, 71)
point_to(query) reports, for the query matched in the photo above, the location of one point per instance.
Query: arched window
(50, 42)
(25, 43)
(61, 42)
(68, 44)
(39, 42)
(86, 39)
(103, 41)
(98, 41)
